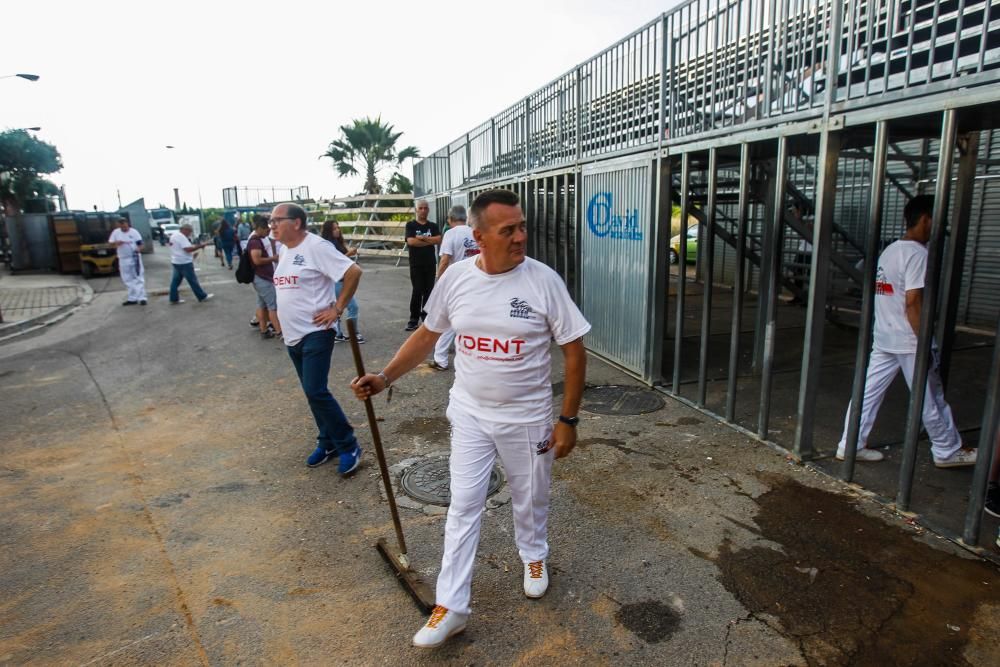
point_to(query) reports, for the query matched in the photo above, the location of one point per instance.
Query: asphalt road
(157, 510)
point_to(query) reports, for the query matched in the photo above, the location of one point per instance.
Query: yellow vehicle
(98, 259)
(81, 240)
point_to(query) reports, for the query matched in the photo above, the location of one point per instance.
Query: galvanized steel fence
(708, 66)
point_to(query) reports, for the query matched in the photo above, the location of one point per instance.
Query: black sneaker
(254, 323)
(412, 325)
(142, 302)
(359, 338)
(339, 337)
(132, 303)
(267, 333)
(992, 504)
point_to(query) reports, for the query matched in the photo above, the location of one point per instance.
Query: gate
(617, 242)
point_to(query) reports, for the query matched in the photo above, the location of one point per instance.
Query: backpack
(244, 271)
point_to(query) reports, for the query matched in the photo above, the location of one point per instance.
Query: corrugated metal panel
(616, 230)
(980, 298)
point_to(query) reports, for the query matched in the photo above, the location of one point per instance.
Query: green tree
(367, 145)
(400, 184)
(23, 159)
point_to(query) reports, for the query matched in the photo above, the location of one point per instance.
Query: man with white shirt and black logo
(505, 308)
(304, 279)
(457, 245)
(899, 289)
(182, 259)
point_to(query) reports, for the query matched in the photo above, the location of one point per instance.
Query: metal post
(657, 296)
(773, 195)
(770, 294)
(833, 55)
(988, 434)
(493, 148)
(819, 283)
(954, 263)
(930, 297)
(707, 252)
(743, 222)
(526, 125)
(876, 197)
(579, 113)
(681, 272)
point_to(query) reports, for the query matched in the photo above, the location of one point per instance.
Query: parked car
(169, 229)
(692, 245)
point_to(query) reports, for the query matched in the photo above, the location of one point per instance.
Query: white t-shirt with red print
(459, 243)
(504, 324)
(304, 281)
(901, 267)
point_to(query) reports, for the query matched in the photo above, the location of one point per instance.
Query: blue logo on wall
(603, 220)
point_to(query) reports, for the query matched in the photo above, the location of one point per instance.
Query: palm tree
(367, 144)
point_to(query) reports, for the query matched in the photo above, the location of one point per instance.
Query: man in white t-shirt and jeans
(308, 269)
(457, 245)
(505, 309)
(899, 289)
(128, 243)
(182, 259)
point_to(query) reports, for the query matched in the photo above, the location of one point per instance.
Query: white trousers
(937, 418)
(441, 347)
(475, 444)
(134, 277)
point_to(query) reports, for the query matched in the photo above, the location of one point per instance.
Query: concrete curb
(32, 325)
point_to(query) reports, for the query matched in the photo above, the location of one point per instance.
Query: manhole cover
(428, 481)
(614, 400)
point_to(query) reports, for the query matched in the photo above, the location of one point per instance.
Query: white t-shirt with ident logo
(304, 282)
(901, 266)
(503, 325)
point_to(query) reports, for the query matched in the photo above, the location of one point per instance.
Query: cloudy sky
(251, 93)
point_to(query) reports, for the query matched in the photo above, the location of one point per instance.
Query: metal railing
(713, 65)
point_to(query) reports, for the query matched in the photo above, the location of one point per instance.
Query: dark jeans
(422, 279)
(227, 250)
(185, 272)
(311, 357)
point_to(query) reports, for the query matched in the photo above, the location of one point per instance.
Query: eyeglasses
(276, 219)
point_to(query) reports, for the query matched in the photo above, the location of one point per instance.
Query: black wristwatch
(572, 421)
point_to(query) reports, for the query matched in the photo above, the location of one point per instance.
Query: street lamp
(170, 147)
(29, 77)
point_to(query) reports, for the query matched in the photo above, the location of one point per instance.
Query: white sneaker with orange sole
(440, 627)
(536, 579)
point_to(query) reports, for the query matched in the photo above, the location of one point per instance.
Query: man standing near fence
(506, 309)
(457, 244)
(421, 237)
(899, 292)
(129, 244)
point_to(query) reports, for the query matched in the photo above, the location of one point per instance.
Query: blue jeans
(185, 272)
(227, 250)
(311, 357)
(352, 309)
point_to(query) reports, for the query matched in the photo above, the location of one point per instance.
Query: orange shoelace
(436, 616)
(535, 569)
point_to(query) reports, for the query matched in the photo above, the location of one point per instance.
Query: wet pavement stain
(229, 487)
(170, 499)
(650, 620)
(610, 442)
(681, 421)
(851, 589)
(433, 428)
